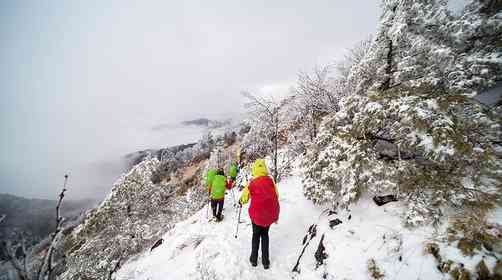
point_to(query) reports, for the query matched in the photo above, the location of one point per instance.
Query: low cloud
(84, 84)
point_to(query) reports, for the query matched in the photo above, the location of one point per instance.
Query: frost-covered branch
(372, 136)
(46, 268)
(258, 103)
(267, 120)
(9, 250)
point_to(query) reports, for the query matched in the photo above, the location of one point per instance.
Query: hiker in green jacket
(232, 174)
(217, 194)
(232, 171)
(209, 178)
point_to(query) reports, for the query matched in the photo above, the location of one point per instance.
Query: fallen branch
(312, 232)
(320, 255)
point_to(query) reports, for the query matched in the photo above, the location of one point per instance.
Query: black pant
(260, 232)
(217, 206)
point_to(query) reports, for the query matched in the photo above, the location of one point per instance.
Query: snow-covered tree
(318, 94)
(27, 264)
(414, 129)
(134, 215)
(266, 120)
(315, 97)
(353, 57)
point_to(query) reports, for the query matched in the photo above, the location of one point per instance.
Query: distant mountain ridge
(35, 217)
(207, 122)
(139, 156)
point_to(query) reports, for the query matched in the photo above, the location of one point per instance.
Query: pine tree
(415, 129)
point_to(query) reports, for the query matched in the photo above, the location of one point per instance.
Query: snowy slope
(198, 249)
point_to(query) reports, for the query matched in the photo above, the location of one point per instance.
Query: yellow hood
(259, 168)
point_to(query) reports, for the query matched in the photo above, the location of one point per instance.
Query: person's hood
(259, 168)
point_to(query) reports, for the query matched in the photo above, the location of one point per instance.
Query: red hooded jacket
(264, 208)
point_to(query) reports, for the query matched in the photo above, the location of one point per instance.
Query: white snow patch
(456, 7)
(196, 249)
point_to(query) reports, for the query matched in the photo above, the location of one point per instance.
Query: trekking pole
(207, 208)
(233, 196)
(238, 222)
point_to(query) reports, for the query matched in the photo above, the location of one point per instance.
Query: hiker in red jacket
(263, 211)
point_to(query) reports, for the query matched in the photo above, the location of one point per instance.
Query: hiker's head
(220, 172)
(259, 168)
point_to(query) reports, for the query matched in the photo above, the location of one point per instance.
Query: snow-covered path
(197, 249)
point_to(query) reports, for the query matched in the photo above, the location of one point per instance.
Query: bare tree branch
(9, 251)
(268, 113)
(46, 268)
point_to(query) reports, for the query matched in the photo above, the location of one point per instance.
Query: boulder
(334, 223)
(382, 200)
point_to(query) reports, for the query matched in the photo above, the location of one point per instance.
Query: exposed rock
(374, 270)
(497, 271)
(460, 273)
(433, 249)
(466, 247)
(497, 245)
(332, 212)
(464, 274)
(334, 223)
(482, 271)
(382, 200)
(157, 244)
(320, 255)
(445, 267)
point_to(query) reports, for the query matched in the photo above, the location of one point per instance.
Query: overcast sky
(83, 82)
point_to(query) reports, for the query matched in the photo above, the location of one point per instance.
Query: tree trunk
(388, 68)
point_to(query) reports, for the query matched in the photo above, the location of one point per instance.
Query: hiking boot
(253, 263)
(266, 266)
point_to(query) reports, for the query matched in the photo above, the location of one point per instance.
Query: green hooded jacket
(210, 177)
(219, 187)
(232, 172)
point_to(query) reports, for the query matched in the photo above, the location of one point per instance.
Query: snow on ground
(198, 249)
(456, 7)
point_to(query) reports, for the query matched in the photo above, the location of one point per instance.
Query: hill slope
(35, 217)
(198, 249)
